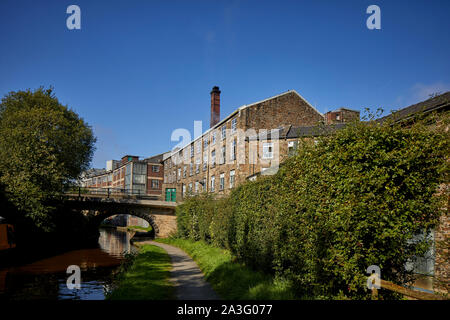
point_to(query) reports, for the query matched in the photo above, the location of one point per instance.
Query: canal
(46, 278)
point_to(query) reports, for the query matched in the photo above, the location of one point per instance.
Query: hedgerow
(350, 200)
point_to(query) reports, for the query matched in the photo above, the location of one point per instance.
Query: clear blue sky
(139, 69)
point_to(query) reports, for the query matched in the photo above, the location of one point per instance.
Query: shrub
(352, 199)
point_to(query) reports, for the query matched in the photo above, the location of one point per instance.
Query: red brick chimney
(215, 106)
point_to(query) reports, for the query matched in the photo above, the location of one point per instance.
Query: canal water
(47, 278)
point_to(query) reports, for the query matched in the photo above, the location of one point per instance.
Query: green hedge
(350, 200)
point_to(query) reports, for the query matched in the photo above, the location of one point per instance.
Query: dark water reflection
(46, 278)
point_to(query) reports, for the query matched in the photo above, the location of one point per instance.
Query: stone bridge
(159, 214)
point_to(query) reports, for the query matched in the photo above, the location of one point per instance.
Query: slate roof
(292, 132)
(155, 159)
(313, 131)
(438, 103)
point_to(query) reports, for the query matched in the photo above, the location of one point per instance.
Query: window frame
(268, 155)
(232, 179)
(233, 125)
(221, 181)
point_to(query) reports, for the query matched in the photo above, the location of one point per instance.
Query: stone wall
(167, 224)
(442, 261)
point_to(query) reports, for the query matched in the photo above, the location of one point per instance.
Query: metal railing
(109, 192)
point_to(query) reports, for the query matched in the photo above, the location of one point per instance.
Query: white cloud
(422, 91)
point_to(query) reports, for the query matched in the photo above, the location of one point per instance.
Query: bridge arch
(137, 213)
(159, 214)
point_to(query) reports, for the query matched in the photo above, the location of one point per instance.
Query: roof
(343, 108)
(313, 131)
(436, 103)
(93, 172)
(155, 159)
(243, 107)
(292, 132)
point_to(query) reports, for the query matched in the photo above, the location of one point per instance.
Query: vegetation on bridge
(43, 146)
(353, 199)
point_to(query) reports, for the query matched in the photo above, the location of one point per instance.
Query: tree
(43, 146)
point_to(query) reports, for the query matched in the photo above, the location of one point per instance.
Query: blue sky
(139, 69)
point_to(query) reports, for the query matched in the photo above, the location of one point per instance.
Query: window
(205, 161)
(184, 171)
(192, 150)
(232, 179)
(155, 184)
(233, 150)
(196, 186)
(213, 158)
(338, 117)
(205, 143)
(224, 132)
(213, 182)
(184, 189)
(190, 187)
(292, 146)
(199, 146)
(213, 138)
(267, 150)
(191, 169)
(203, 183)
(179, 174)
(222, 181)
(155, 168)
(197, 165)
(233, 125)
(223, 154)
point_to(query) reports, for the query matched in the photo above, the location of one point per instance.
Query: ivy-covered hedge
(351, 200)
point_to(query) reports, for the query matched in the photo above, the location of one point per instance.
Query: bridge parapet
(160, 214)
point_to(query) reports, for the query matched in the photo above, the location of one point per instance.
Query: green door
(171, 194)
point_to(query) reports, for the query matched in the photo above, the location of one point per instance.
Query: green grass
(147, 277)
(149, 228)
(232, 280)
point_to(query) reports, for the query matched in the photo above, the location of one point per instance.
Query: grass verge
(147, 278)
(232, 280)
(139, 228)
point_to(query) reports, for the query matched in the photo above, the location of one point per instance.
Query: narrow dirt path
(186, 276)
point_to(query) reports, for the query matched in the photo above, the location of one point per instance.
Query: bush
(352, 199)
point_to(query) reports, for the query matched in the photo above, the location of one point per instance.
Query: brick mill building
(129, 175)
(224, 156)
(254, 140)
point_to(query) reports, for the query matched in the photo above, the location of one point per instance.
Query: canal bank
(161, 272)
